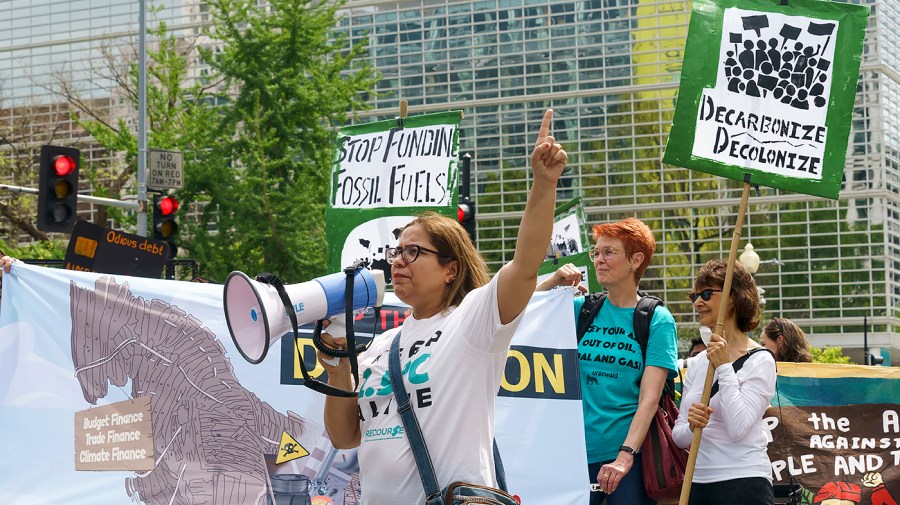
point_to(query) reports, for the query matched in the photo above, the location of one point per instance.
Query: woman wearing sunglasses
(453, 347)
(786, 341)
(620, 387)
(732, 465)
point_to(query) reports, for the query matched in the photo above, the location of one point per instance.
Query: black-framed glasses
(706, 294)
(409, 253)
(606, 252)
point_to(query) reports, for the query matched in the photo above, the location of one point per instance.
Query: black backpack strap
(737, 365)
(589, 310)
(643, 315)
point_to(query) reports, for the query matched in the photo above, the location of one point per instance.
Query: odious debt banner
(768, 90)
(117, 389)
(383, 174)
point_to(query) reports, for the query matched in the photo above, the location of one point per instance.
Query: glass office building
(610, 70)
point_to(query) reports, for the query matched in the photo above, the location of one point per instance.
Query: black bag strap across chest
(737, 365)
(414, 431)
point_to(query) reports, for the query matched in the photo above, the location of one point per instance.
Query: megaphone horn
(257, 317)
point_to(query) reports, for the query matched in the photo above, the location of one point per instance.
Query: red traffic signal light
(63, 165)
(462, 212)
(58, 188)
(465, 214)
(164, 226)
(167, 205)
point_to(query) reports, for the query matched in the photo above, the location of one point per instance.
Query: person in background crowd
(786, 341)
(620, 395)
(732, 464)
(6, 262)
(697, 346)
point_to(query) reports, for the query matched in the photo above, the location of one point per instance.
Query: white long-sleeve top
(734, 441)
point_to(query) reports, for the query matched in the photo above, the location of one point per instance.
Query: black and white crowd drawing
(792, 67)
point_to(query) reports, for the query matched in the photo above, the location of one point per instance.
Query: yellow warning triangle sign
(289, 449)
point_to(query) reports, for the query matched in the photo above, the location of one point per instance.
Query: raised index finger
(545, 127)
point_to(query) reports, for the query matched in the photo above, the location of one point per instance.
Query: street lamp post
(751, 262)
(750, 259)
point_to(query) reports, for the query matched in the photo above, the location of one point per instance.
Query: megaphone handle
(337, 328)
(348, 309)
(335, 353)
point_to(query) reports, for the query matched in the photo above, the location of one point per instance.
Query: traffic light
(58, 188)
(164, 226)
(465, 214)
(874, 360)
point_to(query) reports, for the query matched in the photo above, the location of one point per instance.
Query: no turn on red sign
(166, 169)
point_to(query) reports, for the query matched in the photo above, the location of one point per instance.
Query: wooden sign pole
(720, 328)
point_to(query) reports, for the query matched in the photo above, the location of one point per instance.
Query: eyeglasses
(409, 253)
(706, 294)
(607, 252)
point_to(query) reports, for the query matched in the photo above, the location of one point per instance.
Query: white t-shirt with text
(452, 364)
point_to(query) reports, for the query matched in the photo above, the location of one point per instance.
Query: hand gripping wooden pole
(720, 328)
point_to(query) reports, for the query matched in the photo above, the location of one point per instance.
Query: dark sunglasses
(706, 294)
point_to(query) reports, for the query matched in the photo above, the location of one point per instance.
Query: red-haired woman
(620, 386)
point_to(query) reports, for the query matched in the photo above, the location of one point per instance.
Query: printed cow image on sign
(768, 90)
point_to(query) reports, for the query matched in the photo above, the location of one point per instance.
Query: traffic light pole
(142, 122)
(465, 173)
(81, 198)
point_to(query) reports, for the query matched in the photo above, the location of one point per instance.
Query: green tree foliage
(829, 355)
(257, 131)
(179, 116)
(43, 250)
(264, 181)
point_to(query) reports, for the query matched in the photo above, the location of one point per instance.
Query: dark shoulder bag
(457, 493)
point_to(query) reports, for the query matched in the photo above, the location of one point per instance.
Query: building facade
(610, 69)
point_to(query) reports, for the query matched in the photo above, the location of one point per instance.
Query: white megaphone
(257, 317)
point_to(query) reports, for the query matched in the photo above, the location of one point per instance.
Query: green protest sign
(580, 260)
(569, 243)
(570, 232)
(383, 174)
(768, 89)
